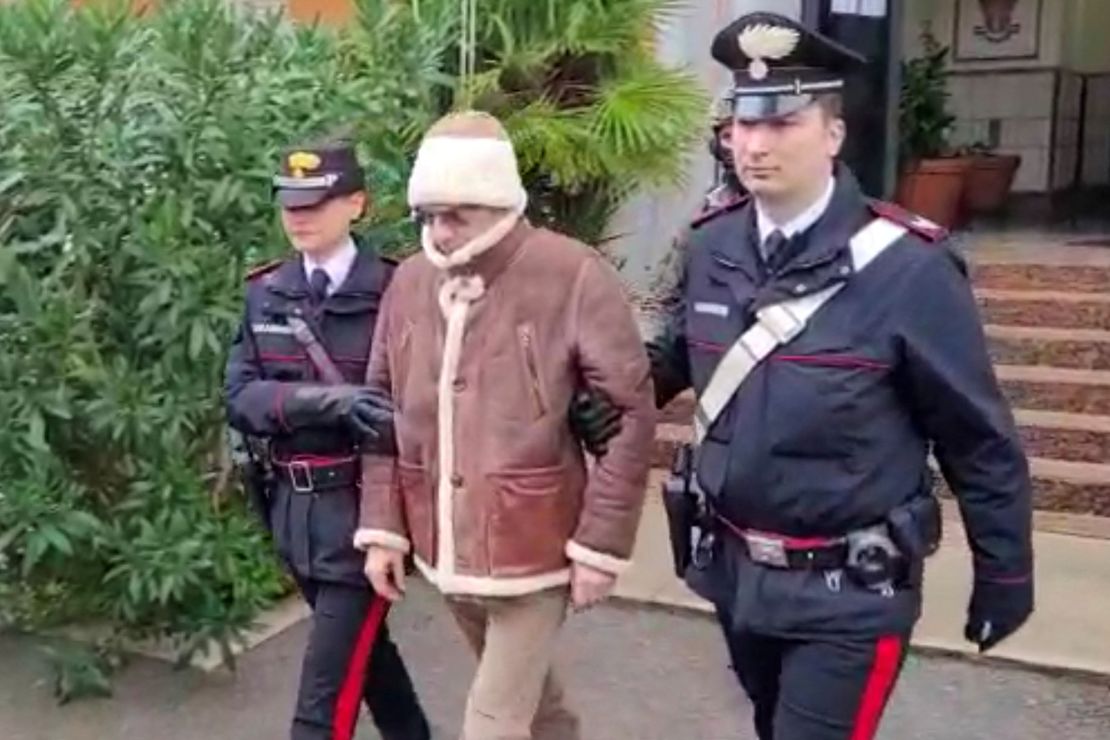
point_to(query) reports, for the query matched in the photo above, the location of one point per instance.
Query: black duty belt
(791, 553)
(314, 474)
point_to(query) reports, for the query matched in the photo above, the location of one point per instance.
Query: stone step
(1056, 389)
(1063, 436)
(1038, 276)
(1087, 349)
(1074, 487)
(1064, 309)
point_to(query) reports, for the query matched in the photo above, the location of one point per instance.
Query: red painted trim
(833, 361)
(350, 693)
(707, 346)
(281, 358)
(1009, 579)
(888, 654)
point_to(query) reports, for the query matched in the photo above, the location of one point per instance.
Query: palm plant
(593, 114)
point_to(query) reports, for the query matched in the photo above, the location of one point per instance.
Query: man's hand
(594, 420)
(997, 610)
(385, 569)
(589, 585)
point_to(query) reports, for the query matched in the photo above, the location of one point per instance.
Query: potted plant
(989, 179)
(931, 181)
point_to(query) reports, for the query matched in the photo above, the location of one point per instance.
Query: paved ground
(636, 673)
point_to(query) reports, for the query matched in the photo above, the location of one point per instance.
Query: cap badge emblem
(761, 42)
(301, 161)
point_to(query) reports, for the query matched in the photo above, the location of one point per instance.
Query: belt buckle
(781, 322)
(766, 550)
(304, 484)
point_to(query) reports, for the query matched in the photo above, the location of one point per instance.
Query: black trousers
(816, 690)
(351, 658)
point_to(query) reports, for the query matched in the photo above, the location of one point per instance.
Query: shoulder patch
(262, 269)
(919, 225)
(708, 215)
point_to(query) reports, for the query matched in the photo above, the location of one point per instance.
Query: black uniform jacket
(313, 531)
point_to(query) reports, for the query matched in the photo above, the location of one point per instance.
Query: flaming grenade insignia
(761, 42)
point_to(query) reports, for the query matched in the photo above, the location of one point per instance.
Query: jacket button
(457, 480)
(459, 385)
(800, 288)
(845, 271)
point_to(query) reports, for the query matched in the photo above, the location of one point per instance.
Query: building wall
(1033, 107)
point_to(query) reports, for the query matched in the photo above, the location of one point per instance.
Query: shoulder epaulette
(708, 215)
(919, 225)
(262, 269)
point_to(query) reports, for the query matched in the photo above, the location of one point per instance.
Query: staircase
(1048, 327)
(1049, 331)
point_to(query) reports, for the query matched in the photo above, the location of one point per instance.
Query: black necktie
(318, 286)
(773, 244)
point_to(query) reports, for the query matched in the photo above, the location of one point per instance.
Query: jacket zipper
(531, 366)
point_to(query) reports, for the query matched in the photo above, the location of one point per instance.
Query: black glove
(997, 610)
(594, 420)
(365, 412)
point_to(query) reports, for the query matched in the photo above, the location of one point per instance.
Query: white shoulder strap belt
(780, 323)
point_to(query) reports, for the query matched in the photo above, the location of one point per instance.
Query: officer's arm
(670, 361)
(255, 405)
(957, 401)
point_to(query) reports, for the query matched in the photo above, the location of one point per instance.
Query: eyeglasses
(452, 218)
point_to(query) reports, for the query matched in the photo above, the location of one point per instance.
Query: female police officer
(833, 343)
(307, 405)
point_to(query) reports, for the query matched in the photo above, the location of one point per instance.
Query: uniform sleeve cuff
(364, 538)
(599, 560)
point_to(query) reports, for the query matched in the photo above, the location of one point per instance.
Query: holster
(917, 525)
(251, 458)
(688, 519)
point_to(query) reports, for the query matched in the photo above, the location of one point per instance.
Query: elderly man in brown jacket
(481, 342)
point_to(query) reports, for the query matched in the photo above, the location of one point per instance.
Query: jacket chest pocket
(531, 369)
(816, 403)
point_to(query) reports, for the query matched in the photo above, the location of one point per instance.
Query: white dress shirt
(337, 265)
(799, 223)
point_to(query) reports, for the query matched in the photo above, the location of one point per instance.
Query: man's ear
(837, 132)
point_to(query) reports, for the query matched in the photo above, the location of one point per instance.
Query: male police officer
(292, 379)
(833, 342)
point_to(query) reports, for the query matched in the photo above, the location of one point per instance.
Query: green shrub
(135, 158)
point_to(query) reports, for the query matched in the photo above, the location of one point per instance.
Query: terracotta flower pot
(933, 188)
(988, 182)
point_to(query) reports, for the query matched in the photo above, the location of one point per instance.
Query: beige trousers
(515, 694)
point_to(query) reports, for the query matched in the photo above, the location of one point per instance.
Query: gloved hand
(997, 610)
(594, 420)
(367, 413)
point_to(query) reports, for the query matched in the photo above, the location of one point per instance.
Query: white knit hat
(467, 159)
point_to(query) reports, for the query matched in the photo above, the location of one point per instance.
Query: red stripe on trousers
(346, 707)
(888, 654)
